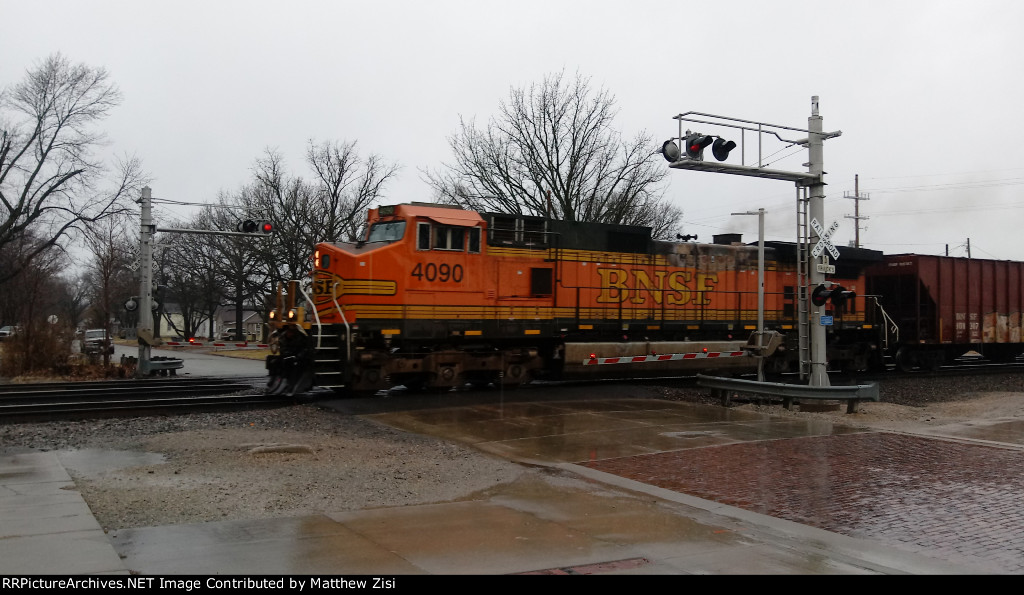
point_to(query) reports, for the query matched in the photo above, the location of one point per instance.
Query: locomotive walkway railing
(726, 387)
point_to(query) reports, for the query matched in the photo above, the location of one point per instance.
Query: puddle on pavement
(93, 462)
(598, 429)
(1010, 432)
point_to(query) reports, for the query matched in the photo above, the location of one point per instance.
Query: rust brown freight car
(945, 306)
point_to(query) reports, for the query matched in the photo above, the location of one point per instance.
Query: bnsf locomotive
(439, 297)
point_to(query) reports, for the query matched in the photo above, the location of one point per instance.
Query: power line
(969, 173)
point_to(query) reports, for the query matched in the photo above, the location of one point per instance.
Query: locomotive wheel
(301, 380)
(276, 385)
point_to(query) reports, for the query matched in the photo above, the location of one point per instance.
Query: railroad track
(959, 369)
(68, 400)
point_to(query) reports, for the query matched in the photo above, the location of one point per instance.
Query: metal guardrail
(791, 392)
(157, 364)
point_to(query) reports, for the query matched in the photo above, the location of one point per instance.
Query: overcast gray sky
(927, 93)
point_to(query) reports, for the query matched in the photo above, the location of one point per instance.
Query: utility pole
(857, 197)
(145, 328)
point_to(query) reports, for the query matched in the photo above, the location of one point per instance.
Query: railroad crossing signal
(837, 295)
(694, 144)
(255, 226)
(824, 242)
(721, 147)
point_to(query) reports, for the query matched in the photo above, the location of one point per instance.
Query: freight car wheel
(906, 359)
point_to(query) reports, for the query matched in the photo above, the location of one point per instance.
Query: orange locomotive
(439, 297)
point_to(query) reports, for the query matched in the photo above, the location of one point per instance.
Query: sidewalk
(47, 527)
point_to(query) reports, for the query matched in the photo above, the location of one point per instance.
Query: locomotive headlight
(292, 315)
(316, 258)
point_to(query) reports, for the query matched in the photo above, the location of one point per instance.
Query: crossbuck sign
(823, 239)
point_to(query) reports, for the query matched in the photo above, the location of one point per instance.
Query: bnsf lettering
(321, 286)
(637, 286)
(438, 272)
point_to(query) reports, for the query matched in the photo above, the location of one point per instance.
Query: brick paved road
(952, 500)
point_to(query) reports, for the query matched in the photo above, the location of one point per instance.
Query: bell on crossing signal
(837, 294)
(670, 151)
(721, 147)
(695, 144)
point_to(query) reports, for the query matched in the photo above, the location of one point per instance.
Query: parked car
(8, 332)
(97, 340)
(229, 335)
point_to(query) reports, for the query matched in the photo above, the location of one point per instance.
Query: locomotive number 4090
(438, 272)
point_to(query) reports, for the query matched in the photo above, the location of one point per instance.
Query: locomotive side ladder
(803, 280)
(333, 351)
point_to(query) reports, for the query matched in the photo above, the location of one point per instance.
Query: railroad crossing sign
(823, 239)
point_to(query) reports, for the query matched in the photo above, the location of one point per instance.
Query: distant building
(252, 323)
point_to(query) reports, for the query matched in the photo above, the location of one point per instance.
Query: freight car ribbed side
(945, 305)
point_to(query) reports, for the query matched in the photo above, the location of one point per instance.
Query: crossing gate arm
(790, 392)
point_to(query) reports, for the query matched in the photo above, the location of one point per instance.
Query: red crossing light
(695, 145)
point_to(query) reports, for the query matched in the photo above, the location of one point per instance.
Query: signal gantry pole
(689, 156)
(816, 195)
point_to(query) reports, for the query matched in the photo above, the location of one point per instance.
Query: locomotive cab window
(449, 237)
(388, 231)
(423, 236)
(474, 239)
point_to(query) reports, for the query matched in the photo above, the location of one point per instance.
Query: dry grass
(257, 354)
(79, 372)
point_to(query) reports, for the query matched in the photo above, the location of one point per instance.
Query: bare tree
(110, 246)
(291, 203)
(244, 266)
(552, 151)
(190, 278)
(347, 186)
(72, 297)
(329, 208)
(43, 340)
(50, 180)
